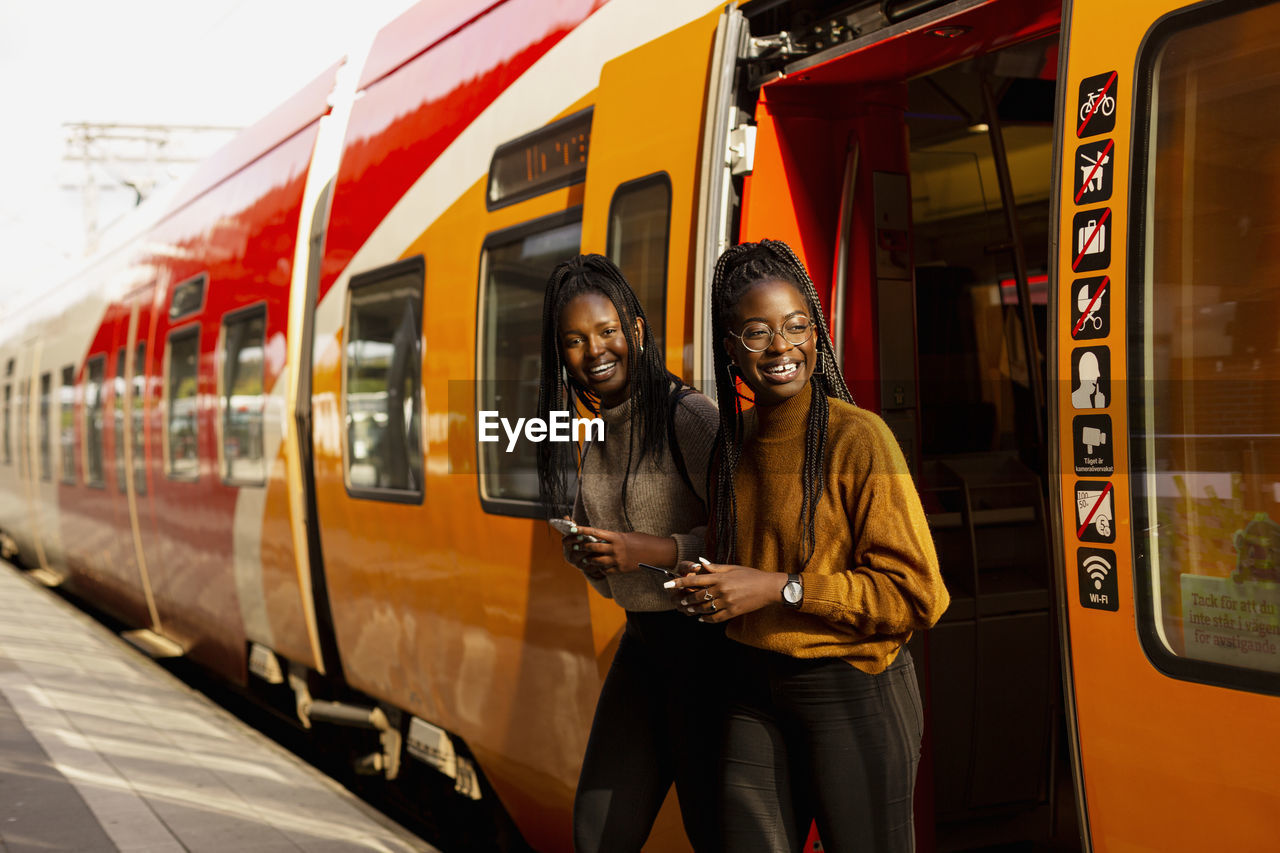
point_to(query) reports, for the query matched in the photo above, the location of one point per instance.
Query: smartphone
(666, 573)
(563, 526)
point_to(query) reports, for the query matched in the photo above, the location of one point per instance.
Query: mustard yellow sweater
(873, 578)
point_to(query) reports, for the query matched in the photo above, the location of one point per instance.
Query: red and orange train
(1045, 235)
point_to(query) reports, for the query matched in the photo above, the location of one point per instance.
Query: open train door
(1165, 418)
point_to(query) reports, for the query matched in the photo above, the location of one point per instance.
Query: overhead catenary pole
(137, 157)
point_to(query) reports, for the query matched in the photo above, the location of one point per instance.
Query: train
(1044, 235)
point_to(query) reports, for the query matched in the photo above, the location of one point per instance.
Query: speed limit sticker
(1095, 512)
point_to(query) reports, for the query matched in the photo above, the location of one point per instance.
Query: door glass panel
(382, 391)
(117, 406)
(182, 423)
(243, 398)
(93, 415)
(515, 277)
(639, 216)
(139, 418)
(67, 423)
(46, 444)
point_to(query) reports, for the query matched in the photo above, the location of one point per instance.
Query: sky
(212, 62)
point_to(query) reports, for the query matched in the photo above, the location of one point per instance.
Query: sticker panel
(1095, 512)
(1091, 308)
(1091, 247)
(1090, 378)
(1096, 105)
(1093, 444)
(1093, 171)
(1099, 589)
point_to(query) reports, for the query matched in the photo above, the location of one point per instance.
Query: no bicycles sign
(1096, 109)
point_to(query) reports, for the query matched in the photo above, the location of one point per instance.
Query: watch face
(791, 592)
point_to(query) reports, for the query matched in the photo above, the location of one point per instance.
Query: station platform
(103, 750)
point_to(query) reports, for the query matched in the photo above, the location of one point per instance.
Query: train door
(1165, 419)
(38, 449)
(644, 206)
(640, 202)
(26, 393)
(106, 436)
(131, 399)
(907, 157)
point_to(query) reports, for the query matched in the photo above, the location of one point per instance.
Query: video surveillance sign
(1092, 443)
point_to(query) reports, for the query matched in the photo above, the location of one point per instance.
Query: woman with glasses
(825, 567)
(641, 498)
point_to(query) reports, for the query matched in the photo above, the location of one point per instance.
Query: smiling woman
(821, 608)
(643, 492)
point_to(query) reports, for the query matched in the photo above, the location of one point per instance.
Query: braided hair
(649, 381)
(738, 270)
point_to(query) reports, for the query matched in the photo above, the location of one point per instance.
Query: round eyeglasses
(758, 336)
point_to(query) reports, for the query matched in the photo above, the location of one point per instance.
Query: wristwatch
(793, 591)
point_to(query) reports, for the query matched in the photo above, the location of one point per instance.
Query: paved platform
(102, 750)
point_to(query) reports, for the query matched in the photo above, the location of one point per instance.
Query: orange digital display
(550, 157)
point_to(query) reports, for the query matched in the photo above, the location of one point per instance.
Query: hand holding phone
(564, 527)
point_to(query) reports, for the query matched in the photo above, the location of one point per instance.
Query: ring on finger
(707, 596)
(713, 607)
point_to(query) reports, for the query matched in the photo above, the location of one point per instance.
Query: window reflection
(182, 416)
(243, 398)
(382, 382)
(515, 278)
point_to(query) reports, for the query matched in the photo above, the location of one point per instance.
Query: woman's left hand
(720, 592)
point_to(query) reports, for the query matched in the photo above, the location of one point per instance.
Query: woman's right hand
(716, 592)
(578, 558)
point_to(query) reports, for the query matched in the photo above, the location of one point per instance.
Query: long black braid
(737, 270)
(647, 375)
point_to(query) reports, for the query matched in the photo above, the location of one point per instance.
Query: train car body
(249, 431)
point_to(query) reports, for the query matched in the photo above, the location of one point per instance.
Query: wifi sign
(1097, 573)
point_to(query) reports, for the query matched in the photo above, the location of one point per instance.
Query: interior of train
(1000, 769)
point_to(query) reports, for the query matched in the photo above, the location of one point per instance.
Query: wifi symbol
(1097, 568)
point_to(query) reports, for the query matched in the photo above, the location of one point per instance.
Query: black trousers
(820, 740)
(656, 722)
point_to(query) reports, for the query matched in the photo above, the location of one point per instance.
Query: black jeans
(820, 740)
(651, 728)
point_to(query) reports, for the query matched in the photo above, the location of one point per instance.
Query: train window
(24, 414)
(513, 277)
(67, 423)
(117, 409)
(639, 220)
(242, 397)
(46, 428)
(1204, 412)
(382, 383)
(139, 418)
(8, 407)
(182, 430)
(187, 298)
(93, 417)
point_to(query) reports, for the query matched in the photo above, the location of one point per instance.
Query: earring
(642, 348)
